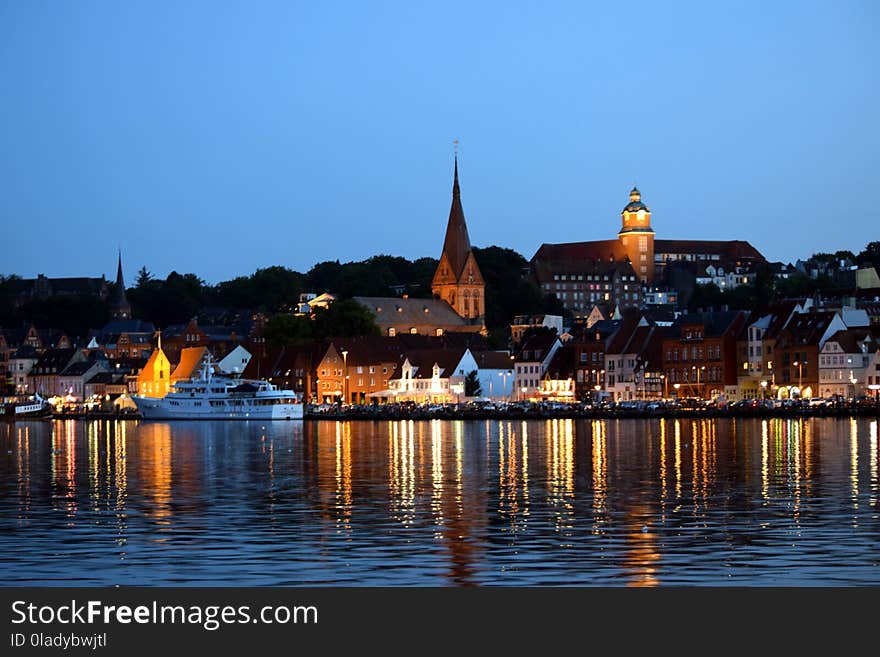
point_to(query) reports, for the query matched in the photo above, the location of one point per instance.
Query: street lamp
(523, 391)
(764, 389)
(665, 386)
(676, 386)
(344, 373)
(800, 365)
(697, 369)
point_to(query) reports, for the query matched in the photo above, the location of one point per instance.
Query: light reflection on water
(606, 502)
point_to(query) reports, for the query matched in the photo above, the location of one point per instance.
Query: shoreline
(383, 414)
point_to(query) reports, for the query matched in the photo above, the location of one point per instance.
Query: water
(616, 502)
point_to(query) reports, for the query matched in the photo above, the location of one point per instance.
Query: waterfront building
(797, 352)
(558, 384)
(844, 361)
(73, 378)
(531, 362)
(434, 376)
(154, 379)
(495, 373)
(235, 362)
(21, 362)
(354, 369)
(44, 376)
(590, 342)
(633, 360)
(700, 354)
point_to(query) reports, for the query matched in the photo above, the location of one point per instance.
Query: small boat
(211, 396)
(28, 408)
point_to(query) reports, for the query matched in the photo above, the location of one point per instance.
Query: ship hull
(162, 409)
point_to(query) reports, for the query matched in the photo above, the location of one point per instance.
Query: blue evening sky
(219, 137)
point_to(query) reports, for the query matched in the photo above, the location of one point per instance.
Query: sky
(222, 137)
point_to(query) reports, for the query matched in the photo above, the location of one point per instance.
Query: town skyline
(242, 150)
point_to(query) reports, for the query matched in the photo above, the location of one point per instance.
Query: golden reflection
(600, 468)
(64, 465)
(154, 464)
(120, 478)
(872, 457)
(560, 470)
(795, 466)
(23, 459)
(678, 459)
(765, 459)
(437, 471)
(93, 430)
(402, 470)
(343, 474)
(641, 555)
(525, 467)
(854, 461)
(663, 474)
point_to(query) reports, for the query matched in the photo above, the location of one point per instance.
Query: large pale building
(622, 270)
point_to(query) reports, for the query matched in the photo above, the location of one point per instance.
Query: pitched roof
(493, 360)
(190, 359)
(394, 311)
(425, 359)
(562, 365)
(714, 324)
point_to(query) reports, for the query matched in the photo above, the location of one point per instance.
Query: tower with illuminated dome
(637, 236)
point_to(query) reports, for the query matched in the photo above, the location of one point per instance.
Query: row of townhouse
(797, 349)
(382, 369)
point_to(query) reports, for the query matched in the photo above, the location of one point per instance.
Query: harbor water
(766, 502)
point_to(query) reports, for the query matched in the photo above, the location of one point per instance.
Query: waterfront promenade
(526, 411)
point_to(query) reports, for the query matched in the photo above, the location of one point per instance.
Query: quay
(534, 411)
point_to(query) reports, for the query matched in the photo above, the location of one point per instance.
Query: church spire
(458, 280)
(119, 306)
(457, 244)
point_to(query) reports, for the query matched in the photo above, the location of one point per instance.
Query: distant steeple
(458, 280)
(457, 244)
(119, 306)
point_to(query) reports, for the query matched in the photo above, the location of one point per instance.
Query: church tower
(458, 280)
(119, 306)
(637, 236)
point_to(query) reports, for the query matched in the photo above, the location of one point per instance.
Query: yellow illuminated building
(154, 378)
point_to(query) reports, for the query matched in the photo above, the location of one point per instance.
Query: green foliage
(269, 290)
(510, 289)
(73, 315)
(379, 276)
(144, 276)
(173, 301)
(472, 387)
(282, 330)
(870, 255)
(345, 318)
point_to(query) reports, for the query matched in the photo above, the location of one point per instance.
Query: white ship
(212, 396)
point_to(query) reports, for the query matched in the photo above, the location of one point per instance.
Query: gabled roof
(714, 324)
(536, 347)
(425, 359)
(55, 358)
(394, 311)
(493, 360)
(562, 365)
(190, 359)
